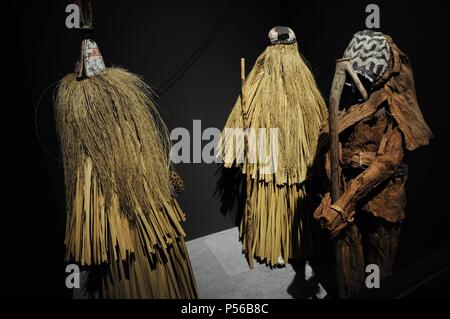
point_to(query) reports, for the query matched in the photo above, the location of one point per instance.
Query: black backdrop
(155, 38)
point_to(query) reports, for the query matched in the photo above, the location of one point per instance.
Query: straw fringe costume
(280, 93)
(123, 222)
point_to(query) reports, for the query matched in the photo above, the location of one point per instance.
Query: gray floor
(222, 272)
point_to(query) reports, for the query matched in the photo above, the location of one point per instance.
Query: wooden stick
(248, 212)
(342, 67)
(333, 123)
(356, 80)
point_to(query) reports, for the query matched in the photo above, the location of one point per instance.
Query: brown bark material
(349, 247)
(374, 135)
(382, 239)
(380, 148)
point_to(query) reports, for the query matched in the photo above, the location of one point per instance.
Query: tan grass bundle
(122, 216)
(280, 92)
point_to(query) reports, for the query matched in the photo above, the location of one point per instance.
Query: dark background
(154, 39)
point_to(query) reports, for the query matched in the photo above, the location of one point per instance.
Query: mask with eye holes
(282, 35)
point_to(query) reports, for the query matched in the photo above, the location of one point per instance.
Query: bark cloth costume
(375, 137)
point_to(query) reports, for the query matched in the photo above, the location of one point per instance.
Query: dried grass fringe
(281, 228)
(281, 93)
(119, 197)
